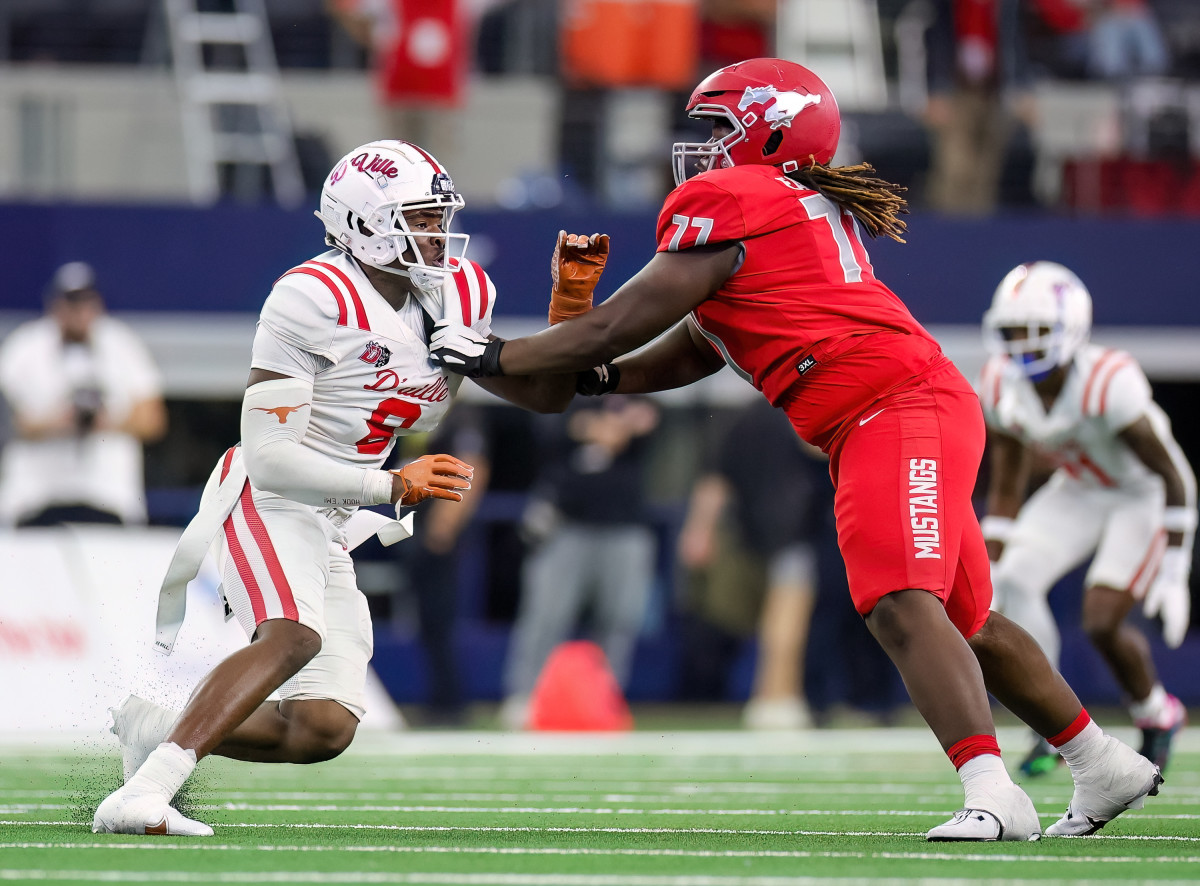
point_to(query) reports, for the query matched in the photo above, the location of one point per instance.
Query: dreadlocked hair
(874, 202)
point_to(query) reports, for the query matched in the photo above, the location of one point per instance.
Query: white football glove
(463, 351)
(1169, 596)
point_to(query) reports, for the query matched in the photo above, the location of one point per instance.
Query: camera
(87, 403)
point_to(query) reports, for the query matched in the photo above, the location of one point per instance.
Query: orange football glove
(575, 268)
(431, 476)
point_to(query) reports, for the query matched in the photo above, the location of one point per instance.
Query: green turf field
(644, 809)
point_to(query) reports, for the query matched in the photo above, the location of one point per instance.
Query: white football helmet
(1041, 315)
(363, 204)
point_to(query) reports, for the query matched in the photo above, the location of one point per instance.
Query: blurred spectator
(610, 46)
(432, 560)
(85, 395)
(976, 97)
(764, 480)
(732, 30)
(593, 553)
(1125, 41)
(420, 50)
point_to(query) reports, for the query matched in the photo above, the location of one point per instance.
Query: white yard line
(16, 809)
(479, 879)
(155, 846)
(607, 830)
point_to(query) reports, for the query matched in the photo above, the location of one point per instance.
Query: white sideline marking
(648, 853)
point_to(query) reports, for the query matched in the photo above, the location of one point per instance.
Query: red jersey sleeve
(697, 213)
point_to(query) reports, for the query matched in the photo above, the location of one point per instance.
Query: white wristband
(996, 528)
(377, 487)
(1179, 519)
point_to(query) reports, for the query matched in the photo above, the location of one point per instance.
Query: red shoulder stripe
(464, 295)
(337, 293)
(1114, 368)
(481, 279)
(990, 382)
(354, 297)
(1092, 376)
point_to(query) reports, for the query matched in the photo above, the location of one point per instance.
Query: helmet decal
(780, 107)
(375, 167)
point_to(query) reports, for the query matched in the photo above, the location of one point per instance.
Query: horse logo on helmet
(780, 108)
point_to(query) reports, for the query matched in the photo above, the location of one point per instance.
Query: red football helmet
(782, 114)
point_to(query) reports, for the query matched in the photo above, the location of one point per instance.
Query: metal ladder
(840, 41)
(231, 102)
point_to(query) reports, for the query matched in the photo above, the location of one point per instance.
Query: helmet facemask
(692, 158)
(1036, 348)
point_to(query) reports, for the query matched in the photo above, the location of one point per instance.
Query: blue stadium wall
(225, 259)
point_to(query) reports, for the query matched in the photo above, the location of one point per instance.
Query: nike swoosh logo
(871, 416)
(159, 829)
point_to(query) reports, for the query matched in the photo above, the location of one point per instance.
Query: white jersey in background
(1105, 392)
(1101, 502)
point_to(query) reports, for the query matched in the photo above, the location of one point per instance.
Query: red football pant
(903, 472)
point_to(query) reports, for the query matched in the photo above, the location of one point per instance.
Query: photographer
(84, 395)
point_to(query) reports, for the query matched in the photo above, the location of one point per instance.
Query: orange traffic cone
(577, 692)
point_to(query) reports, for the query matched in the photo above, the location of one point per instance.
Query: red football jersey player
(760, 266)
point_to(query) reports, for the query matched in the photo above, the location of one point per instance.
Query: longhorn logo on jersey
(376, 354)
(280, 412)
(779, 108)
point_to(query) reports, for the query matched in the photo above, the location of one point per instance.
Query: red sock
(1077, 726)
(971, 747)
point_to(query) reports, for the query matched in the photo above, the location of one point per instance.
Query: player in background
(1122, 492)
(760, 267)
(340, 367)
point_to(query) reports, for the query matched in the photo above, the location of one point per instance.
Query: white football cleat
(126, 813)
(1118, 779)
(1007, 815)
(141, 726)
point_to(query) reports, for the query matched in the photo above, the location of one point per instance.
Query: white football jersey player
(1122, 492)
(373, 380)
(1090, 412)
(1104, 393)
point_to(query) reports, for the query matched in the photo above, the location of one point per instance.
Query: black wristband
(489, 363)
(602, 379)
